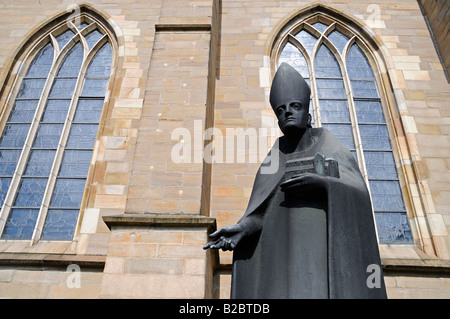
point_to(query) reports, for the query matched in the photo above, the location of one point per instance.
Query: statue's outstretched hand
(226, 237)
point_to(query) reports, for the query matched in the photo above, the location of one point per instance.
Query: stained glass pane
(374, 137)
(386, 196)
(358, 66)
(330, 89)
(82, 26)
(39, 163)
(393, 228)
(92, 38)
(88, 111)
(101, 63)
(68, 193)
(369, 112)
(71, 64)
(338, 39)
(63, 38)
(60, 224)
(364, 89)
(334, 111)
(63, 88)
(40, 66)
(326, 65)
(20, 224)
(94, 87)
(75, 163)
(48, 136)
(292, 56)
(4, 185)
(320, 26)
(14, 135)
(343, 132)
(380, 165)
(307, 39)
(8, 161)
(31, 89)
(31, 192)
(23, 111)
(55, 111)
(82, 136)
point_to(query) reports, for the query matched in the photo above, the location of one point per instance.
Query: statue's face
(292, 117)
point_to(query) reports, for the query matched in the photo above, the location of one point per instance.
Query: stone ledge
(160, 220)
(182, 27)
(56, 260)
(417, 266)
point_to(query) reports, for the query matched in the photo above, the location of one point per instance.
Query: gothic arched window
(47, 141)
(346, 100)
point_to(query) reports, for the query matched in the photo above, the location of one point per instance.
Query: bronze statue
(308, 230)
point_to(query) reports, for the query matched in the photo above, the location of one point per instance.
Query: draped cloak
(269, 264)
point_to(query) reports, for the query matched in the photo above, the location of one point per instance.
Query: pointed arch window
(47, 141)
(345, 99)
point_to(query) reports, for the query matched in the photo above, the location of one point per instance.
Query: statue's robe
(323, 252)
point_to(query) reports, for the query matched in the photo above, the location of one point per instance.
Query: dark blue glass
(364, 89)
(75, 163)
(386, 196)
(31, 192)
(48, 136)
(55, 111)
(14, 135)
(343, 132)
(358, 66)
(88, 111)
(94, 87)
(320, 26)
(71, 64)
(82, 26)
(393, 228)
(63, 88)
(39, 163)
(92, 38)
(369, 112)
(334, 111)
(8, 161)
(330, 89)
(63, 38)
(4, 185)
(41, 64)
(292, 56)
(101, 63)
(326, 65)
(23, 111)
(31, 89)
(82, 136)
(20, 224)
(68, 193)
(59, 224)
(374, 137)
(307, 40)
(380, 165)
(338, 39)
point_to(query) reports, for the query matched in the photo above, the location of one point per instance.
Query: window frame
(303, 21)
(22, 66)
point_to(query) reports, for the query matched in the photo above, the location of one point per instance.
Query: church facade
(131, 130)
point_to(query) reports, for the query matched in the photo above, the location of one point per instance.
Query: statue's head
(289, 97)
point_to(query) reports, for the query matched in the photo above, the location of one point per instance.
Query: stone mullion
(23, 159)
(61, 146)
